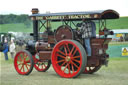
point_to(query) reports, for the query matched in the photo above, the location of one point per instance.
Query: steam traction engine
(64, 47)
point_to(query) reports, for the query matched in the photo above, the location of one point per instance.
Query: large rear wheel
(23, 62)
(69, 58)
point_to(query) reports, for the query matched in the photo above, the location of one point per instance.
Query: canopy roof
(120, 31)
(73, 16)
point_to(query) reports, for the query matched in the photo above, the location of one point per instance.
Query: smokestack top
(35, 11)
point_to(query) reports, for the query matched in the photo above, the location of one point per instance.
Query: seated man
(88, 30)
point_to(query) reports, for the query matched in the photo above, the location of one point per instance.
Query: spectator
(121, 39)
(12, 49)
(5, 51)
(21, 44)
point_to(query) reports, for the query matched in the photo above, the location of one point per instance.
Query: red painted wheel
(23, 62)
(91, 70)
(69, 58)
(41, 66)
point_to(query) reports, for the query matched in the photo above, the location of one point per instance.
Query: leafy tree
(12, 18)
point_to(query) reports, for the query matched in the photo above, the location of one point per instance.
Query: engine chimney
(35, 24)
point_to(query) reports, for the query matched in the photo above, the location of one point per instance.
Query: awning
(70, 16)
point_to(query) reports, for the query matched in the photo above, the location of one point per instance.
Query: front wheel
(23, 62)
(69, 58)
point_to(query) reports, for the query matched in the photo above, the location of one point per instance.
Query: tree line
(12, 18)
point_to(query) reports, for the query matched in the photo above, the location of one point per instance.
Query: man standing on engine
(88, 30)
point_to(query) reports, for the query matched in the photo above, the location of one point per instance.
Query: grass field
(115, 74)
(20, 27)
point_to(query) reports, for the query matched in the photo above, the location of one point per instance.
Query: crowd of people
(10, 47)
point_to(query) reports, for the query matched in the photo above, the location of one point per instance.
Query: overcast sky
(25, 6)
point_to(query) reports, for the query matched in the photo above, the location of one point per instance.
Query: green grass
(121, 23)
(18, 27)
(115, 74)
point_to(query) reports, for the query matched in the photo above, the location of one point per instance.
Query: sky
(52, 6)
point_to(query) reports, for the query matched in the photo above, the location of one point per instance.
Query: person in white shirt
(12, 48)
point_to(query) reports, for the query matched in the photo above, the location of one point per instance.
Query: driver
(88, 30)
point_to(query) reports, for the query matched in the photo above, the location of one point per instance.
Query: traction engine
(63, 47)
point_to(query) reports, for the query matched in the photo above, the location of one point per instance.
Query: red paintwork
(70, 65)
(22, 63)
(38, 64)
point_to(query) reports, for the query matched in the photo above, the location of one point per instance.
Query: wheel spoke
(61, 56)
(74, 64)
(61, 52)
(20, 58)
(23, 54)
(38, 64)
(72, 68)
(26, 67)
(63, 63)
(67, 47)
(60, 61)
(65, 67)
(44, 65)
(69, 68)
(19, 64)
(76, 60)
(21, 67)
(76, 57)
(25, 57)
(65, 50)
(72, 50)
(36, 60)
(28, 61)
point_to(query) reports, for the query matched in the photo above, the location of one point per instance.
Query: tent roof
(120, 31)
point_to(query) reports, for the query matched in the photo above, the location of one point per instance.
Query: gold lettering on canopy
(62, 17)
(39, 18)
